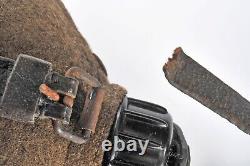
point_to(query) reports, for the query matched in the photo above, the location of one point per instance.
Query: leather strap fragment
(197, 82)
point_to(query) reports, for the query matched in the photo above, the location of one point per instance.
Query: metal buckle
(87, 108)
(30, 90)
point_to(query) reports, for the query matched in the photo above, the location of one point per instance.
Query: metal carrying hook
(88, 116)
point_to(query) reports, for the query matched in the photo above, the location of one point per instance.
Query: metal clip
(29, 90)
(86, 112)
(57, 86)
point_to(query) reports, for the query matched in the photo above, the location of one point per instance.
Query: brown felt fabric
(44, 29)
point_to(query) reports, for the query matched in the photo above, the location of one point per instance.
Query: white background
(135, 37)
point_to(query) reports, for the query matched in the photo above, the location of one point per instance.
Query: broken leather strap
(22, 101)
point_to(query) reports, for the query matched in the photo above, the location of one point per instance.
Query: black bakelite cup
(140, 120)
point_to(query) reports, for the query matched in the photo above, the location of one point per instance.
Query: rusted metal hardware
(89, 116)
(54, 86)
(194, 80)
(86, 79)
(50, 93)
(89, 107)
(30, 90)
(64, 85)
(68, 101)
